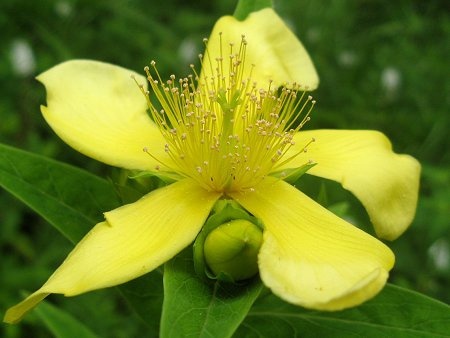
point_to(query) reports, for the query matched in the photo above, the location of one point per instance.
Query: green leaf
(194, 308)
(70, 199)
(60, 323)
(245, 7)
(395, 312)
(145, 296)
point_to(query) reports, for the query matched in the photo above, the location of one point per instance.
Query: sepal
(291, 175)
(225, 211)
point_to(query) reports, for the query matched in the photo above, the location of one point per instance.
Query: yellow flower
(227, 137)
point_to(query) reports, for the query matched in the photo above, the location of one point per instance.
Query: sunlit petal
(99, 110)
(309, 256)
(274, 50)
(134, 240)
(386, 183)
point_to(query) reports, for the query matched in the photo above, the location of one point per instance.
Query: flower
(227, 137)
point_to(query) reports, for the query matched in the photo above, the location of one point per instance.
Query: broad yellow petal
(386, 183)
(98, 109)
(134, 240)
(309, 256)
(274, 50)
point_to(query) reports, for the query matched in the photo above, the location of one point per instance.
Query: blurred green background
(383, 65)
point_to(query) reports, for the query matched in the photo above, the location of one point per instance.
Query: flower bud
(232, 249)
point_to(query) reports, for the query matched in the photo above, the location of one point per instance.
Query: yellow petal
(274, 50)
(98, 109)
(134, 240)
(309, 256)
(386, 183)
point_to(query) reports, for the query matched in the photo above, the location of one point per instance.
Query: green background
(382, 64)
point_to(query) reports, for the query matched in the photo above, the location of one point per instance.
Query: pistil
(222, 130)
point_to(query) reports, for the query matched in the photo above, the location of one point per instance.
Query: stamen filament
(222, 130)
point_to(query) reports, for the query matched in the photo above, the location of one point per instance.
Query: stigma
(222, 129)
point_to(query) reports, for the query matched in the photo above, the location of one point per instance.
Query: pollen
(221, 129)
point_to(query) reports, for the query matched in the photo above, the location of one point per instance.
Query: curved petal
(274, 50)
(309, 256)
(386, 183)
(134, 240)
(98, 109)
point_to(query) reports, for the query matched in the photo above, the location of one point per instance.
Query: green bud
(232, 249)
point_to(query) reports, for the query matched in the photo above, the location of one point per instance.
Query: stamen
(223, 130)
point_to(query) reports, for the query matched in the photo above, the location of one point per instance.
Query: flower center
(221, 129)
